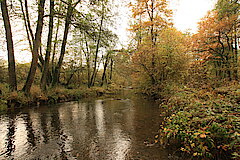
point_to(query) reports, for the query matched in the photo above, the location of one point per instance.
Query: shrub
(206, 123)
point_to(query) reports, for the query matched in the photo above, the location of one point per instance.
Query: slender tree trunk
(36, 45)
(26, 26)
(28, 21)
(11, 59)
(71, 76)
(87, 55)
(40, 57)
(105, 69)
(29, 31)
(153, 42)
(56, 74)
(111, 69)
(49, 46)
(140, 32)
(235, 55)
(55, 41)
(55, 45)
(151, 19)
(97, 50)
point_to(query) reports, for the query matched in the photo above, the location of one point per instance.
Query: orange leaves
(213, 36)
(150, 13)
(202, 135)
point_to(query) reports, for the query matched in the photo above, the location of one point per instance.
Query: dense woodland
(195, 77)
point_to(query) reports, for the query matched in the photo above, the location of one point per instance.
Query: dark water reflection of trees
(90, 129)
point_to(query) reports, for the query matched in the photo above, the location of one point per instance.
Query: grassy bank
(204, 123)
(52, 96)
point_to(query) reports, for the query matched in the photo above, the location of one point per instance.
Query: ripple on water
(97, 129)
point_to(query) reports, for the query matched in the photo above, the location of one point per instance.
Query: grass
(53, 95)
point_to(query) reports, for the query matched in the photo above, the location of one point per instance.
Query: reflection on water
(99, 116)
(90, 129)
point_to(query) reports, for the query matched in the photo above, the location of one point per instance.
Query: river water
(96, 129)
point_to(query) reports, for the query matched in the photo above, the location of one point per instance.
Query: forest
(72, 44)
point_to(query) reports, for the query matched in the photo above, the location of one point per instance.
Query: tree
(171, 59)
(105, 65)
(10, 48)
(36, 45)
(229, 9)
(70, 8)
(97, 46)
(154, 16)
(95, 36)
(45, 71)
(216, 41)
(29, 31)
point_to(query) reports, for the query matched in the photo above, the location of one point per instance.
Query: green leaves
(205, 125)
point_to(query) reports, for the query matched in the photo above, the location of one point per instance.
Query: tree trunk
(55, 45)
(111, 69)
(26, 26)
(97, 50)
(28, 21)
(87, 55)
(29, 31)
(71, 76)
(36, 45)
(105, 69)
(235, 55)
(49, 46)
(11, 59)
(56, 74)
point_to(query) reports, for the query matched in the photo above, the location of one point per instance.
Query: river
(96, 129)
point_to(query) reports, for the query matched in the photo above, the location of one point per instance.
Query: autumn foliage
(216, 43)
(194, 76)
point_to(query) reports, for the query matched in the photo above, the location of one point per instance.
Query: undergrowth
(206, 122)
(53, 95)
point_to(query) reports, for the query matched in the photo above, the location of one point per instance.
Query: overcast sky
(186, 15)
(188, 12)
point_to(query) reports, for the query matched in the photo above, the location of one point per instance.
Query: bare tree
(10, 48)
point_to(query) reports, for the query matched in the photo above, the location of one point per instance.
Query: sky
(188, 12)
(186, 15)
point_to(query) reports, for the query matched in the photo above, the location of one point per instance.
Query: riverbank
(52, 96)
(204, 123)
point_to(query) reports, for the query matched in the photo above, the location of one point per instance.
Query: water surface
(108, 128)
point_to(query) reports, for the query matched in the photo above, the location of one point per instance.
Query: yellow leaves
(147, 24)
(167, 130)
(205, 148)
(159, 17)
(195, 154)
(192, 145)
(196, 134)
